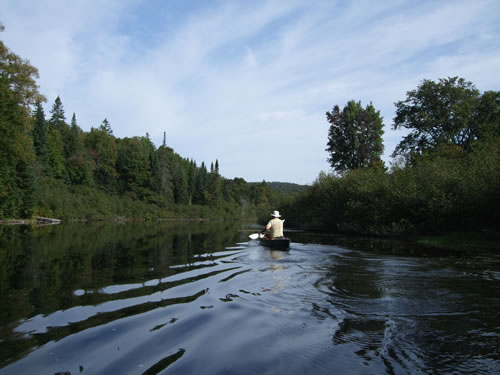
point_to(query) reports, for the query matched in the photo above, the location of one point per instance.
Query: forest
(445, 174)
(52, 168)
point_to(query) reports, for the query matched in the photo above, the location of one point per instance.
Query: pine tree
(200, 190)
(40, 137)
(73, 142)
(180, 184)
(217, 167)
(106, 127)
(57, 117)
(73, 121)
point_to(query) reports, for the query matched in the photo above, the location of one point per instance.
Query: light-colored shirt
(276, 227)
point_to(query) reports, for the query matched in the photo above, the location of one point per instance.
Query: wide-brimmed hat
(276, 214)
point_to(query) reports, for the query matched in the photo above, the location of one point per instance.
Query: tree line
(445, 174)
(50, 167)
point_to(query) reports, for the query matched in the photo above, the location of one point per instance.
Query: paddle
(254, 236)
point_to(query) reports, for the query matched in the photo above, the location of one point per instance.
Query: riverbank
(463, 241)
(452, 241)
(34, 221)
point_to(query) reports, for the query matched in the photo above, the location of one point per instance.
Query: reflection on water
(187, 297)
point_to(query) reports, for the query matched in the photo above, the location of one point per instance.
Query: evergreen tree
(106, 127)
(103, 151)
(78, 168)
(138, 168)
(55, 148)
(192, 173)
(73, 139)
(73, 121)
(40, 138)
(156, 172)
(166, 187)
(180, 184)
(57, 117)
(217, 167)
(214, 195)
(200, 190)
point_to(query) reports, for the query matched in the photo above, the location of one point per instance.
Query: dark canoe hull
(278, 244)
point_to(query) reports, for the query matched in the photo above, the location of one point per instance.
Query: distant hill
(284, 187)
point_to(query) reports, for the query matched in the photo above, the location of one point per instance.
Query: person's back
(275, 225)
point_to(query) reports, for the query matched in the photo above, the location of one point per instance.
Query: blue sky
(247, 82)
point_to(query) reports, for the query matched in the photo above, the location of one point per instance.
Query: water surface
(192, 298)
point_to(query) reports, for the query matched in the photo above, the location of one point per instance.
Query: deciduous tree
(20, 76)
(354, 137)
(451, 111)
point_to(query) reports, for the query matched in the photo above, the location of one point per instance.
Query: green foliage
(50, 168)
(56, 154)
(106, 127)
(103, 151)
(447, 179)
(73, 145)
(286, 187)
(180, 184)
(16, 155)
(79, 170)
(445, 190)
(164, 174)
(57, 118)
(449, 112)
(134, 166)
(40, 137)
(20, 77)
(354, 137)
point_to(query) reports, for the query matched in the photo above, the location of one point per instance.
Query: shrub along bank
(446, 190)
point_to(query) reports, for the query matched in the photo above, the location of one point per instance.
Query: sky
(247, 82)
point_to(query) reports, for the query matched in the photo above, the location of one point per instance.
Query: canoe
(277, 243)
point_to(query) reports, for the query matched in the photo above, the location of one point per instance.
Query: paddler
(275, 226)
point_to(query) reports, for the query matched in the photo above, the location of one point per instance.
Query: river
(200, 298)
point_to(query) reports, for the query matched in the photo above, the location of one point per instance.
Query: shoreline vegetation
(445, 179)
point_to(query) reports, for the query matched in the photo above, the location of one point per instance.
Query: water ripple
(316, 309)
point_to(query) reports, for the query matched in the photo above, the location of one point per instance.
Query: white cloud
(247, 83)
